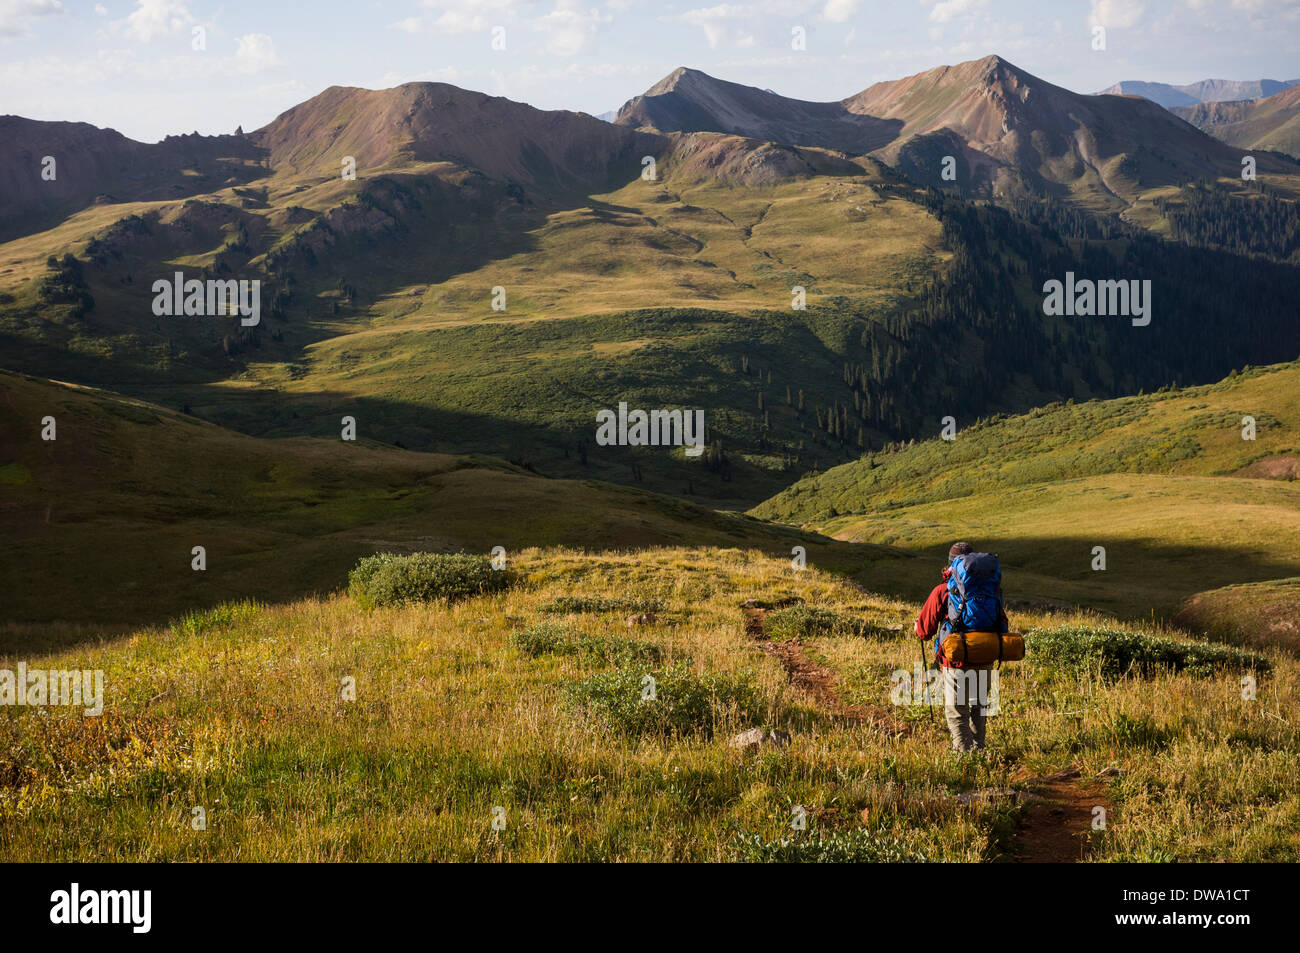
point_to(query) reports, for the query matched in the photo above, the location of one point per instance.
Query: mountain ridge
(1204, 91)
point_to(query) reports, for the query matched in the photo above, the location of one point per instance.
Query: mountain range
(468, 274)
(1206, 91)
(1006, 129)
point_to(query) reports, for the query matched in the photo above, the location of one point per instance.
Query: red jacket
(934, 612)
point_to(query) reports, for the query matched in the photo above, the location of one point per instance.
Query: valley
(377, 456)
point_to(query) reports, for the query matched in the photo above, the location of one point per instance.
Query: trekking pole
(920, 647)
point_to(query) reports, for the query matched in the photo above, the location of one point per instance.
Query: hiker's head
(959, 549)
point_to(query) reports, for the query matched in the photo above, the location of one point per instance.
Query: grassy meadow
(1164, 482)
(515, 700)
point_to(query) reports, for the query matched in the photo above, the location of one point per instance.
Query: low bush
(221, 616)
(551, 638)
(566, 605)
(1078, 648)
(804, 622)
(683, 702)
(859, 845)
(387, 579)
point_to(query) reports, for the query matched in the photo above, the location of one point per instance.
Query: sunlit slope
(99, 524)
(1164, 483)
(515, 700)
(677, 243)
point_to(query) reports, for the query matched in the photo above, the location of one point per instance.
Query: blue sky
(132, 65)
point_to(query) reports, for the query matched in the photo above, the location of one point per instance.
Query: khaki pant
(966, 701)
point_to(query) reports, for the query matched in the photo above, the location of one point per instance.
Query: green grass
(654, 292)
(666, 702)
(552, 638)
(858, 846)
(1163, 482)
(806, 622)
(452, 719)
(581, 604)
(221, 616)
(1254, 615)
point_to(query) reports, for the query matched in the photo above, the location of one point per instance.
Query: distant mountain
(1007, 130)
(687, 100)
(1007, 127)
(1271, 123)
(1206, 91)
(92, 164)
(1160, 93)
(434, 121)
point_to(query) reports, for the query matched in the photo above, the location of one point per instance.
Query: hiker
(976, 605)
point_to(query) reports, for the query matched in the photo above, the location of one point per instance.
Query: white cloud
(453, 17)
(409, 25)
(569, 29)
(155, 18)
(714, 21)
(16, 15)
(255, 52)
(1115, 14)
(948, 10)
(839, 11)
(101, 10)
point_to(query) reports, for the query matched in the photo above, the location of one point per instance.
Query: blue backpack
(975, 594)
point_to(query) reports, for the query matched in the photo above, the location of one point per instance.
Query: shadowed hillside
(100, 522)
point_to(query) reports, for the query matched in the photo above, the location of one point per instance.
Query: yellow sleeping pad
(983, 648)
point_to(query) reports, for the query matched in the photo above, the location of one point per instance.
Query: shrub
(221, 616)
(387, 579)
(685, 702)
(803, 622)
(1077, 648)
(565, 605)
(1137, 732)
(859, 845)
(550, 638)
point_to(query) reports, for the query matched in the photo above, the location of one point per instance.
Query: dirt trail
(1058, 818)
(818, 681)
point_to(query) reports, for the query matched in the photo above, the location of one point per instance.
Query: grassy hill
(99, 524)
(1163, 481)
(1254, 614)
(522, 702)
